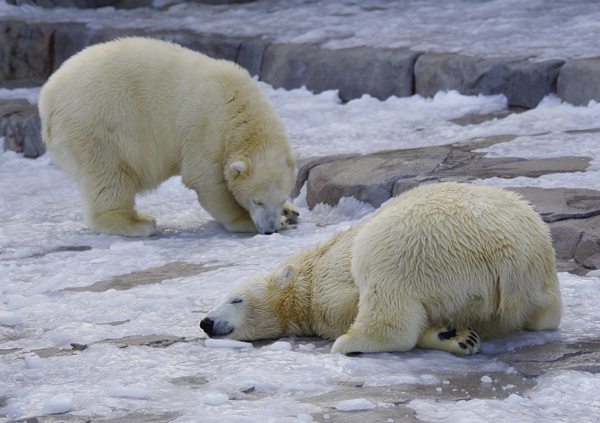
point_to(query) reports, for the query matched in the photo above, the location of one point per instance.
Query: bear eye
(259, 203)
(236, 301)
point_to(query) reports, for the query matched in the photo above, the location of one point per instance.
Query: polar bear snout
(207, 325)
(215, 328)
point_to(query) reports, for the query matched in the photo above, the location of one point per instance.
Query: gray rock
(83, 4)
(562, 203)
(25, 50)
(524, 83)
(537, 360)
(588, 246)
(565, 240)
(129, 418)
(251, 54)
(369, 178)
(69, 39)
(375, 178)
(380, 73)
(305, 165)
(248, 53)
(20, 126)
(579, 81)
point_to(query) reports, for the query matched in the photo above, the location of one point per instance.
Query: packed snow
(536, 29)
(46, 250)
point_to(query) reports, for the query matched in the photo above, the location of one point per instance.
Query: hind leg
(458, 341)
(547, 316)
(109, 208)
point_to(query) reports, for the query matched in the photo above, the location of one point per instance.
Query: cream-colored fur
(433, 262)
(121, 117)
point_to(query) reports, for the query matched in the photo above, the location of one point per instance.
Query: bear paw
(290, 213)
(462, 340)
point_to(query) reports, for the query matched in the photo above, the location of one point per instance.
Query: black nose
(268, 233)
(207, 325)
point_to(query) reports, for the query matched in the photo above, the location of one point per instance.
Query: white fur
(121, 117)
(437, 257)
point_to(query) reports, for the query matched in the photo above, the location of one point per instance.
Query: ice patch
(214, 398)
(280, 346)
(119, 391)
(33, 361)
(10, 319)
(355, 405)
(226, 343)
(58, 404)
(486, 379)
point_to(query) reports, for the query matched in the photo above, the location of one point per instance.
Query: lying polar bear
(122, 117)
(437, 267)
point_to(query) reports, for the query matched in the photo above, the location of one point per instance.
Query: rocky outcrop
(20, 126)
(579, 81)
(573, 214)
(524, 83)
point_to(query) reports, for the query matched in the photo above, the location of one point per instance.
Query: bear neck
(295, 303)
(252, 122)
(294, 308)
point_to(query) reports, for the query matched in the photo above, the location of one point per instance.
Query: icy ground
(539, 29)
(40, 214)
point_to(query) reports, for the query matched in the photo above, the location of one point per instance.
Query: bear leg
(462, 340)
(110, 209)
(374, 330)
(547, 316)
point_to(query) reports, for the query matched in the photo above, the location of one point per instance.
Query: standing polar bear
(437, 267)
(121, 117)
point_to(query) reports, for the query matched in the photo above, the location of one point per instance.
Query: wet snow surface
(46, 248)
(542, 29)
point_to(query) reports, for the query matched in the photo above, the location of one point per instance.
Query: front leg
(222, 205)
(462, 340)
(290, 213)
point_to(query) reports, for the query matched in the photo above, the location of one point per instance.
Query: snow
(538, 29)
(46, 248)
(226, 343)
(355, 405)
(58, 404)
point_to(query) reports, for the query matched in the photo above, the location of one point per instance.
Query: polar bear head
(261, 183)
(252, 310)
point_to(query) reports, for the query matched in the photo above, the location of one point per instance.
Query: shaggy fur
(121, 117)
(433, 262)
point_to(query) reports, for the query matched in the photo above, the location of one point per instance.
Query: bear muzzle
(214, 329)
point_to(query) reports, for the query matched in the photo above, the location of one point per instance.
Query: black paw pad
(444, 336)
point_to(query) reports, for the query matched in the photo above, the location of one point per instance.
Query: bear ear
(285, 275)
(239, 168)
(295, 155)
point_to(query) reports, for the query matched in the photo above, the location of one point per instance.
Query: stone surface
(579, 81)
(125, 417)
(84, 4)
(25, 50)
(380, 73)
(369, 178)
(305, 165)
(535, 361)
(562, 203)
(20, 125)
(524, 83)
(374, 178)
(145, 277)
